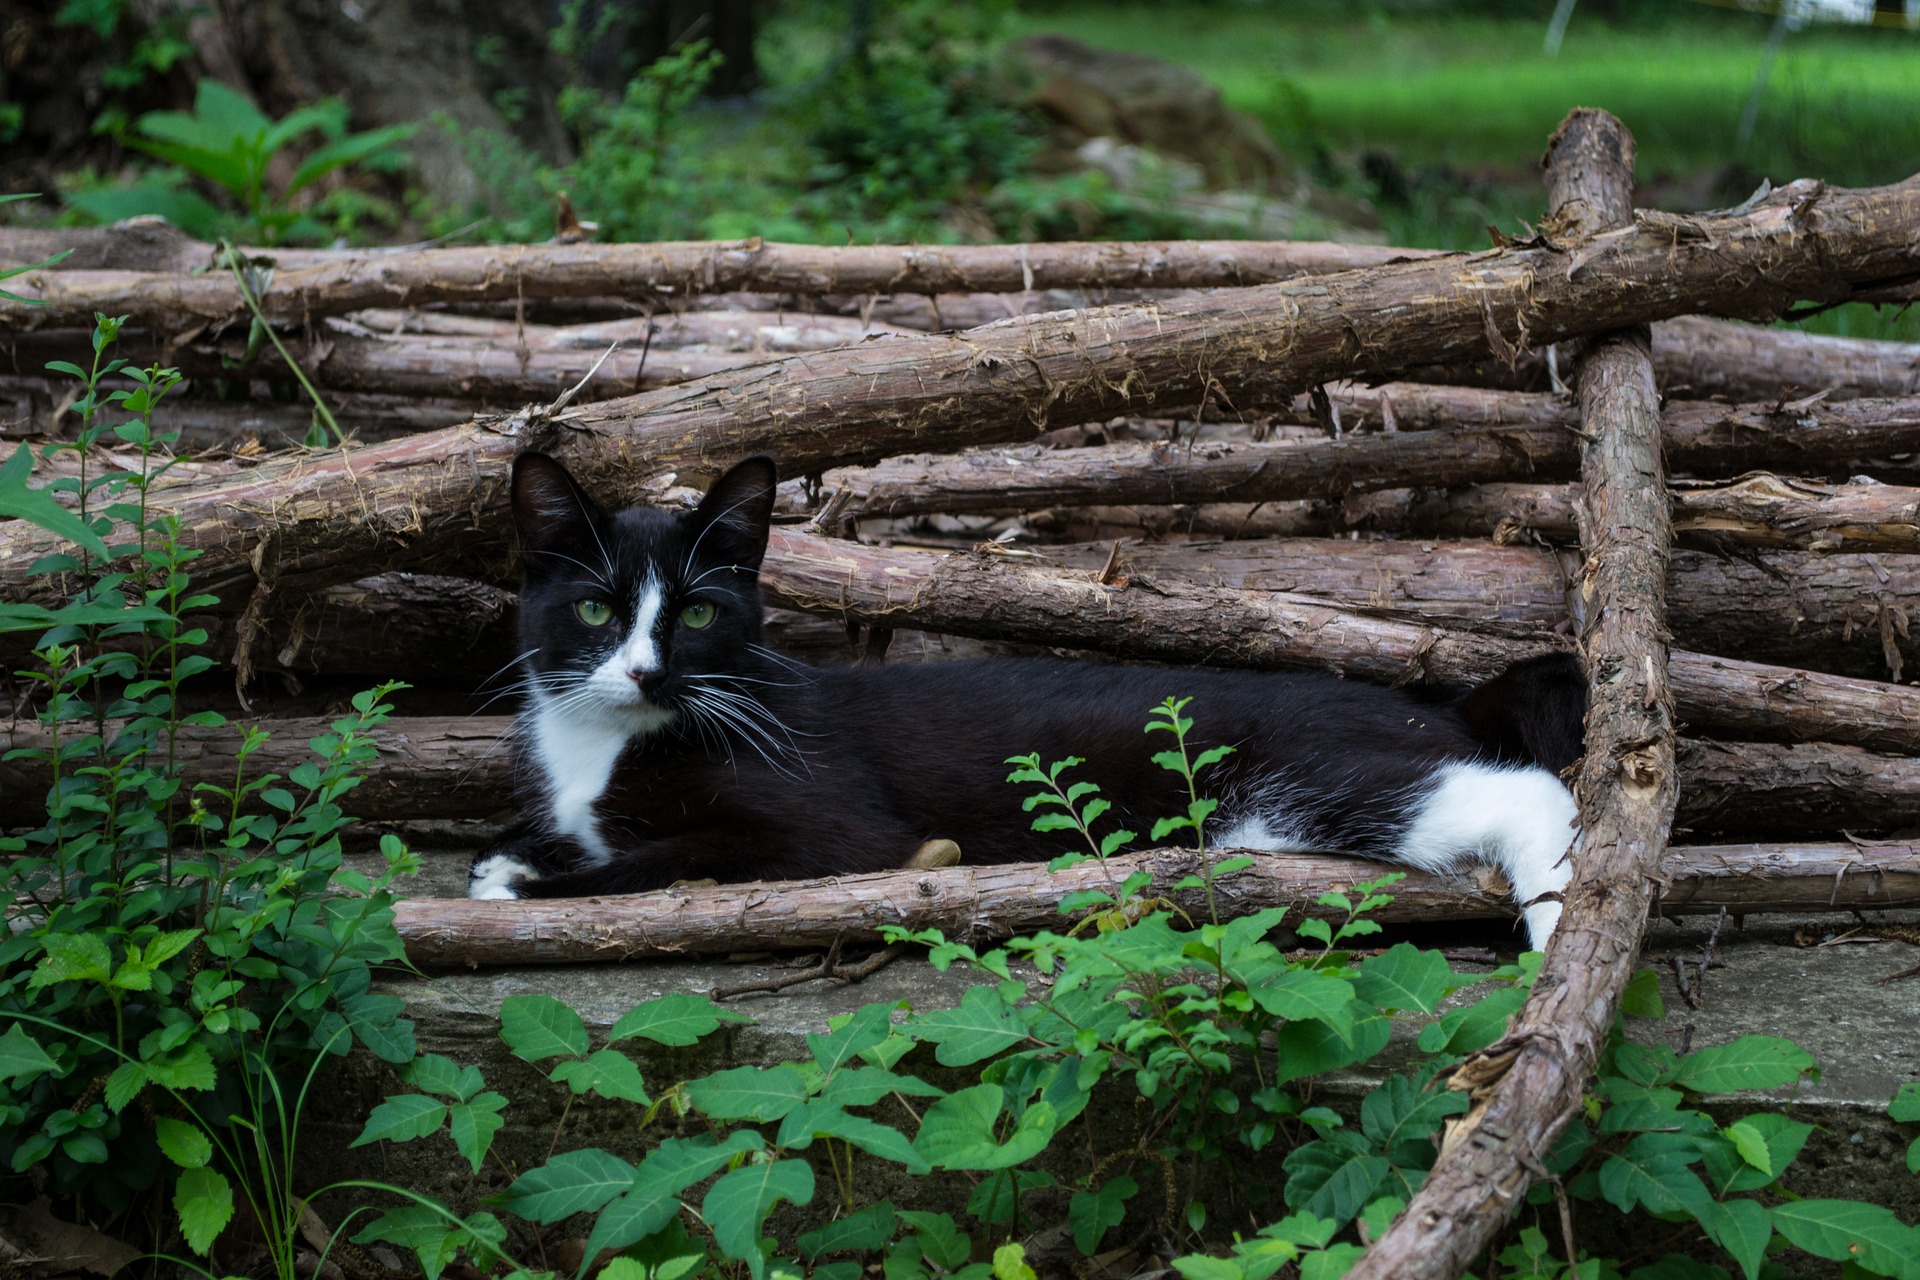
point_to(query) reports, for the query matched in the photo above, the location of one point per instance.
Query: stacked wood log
(1369, 460)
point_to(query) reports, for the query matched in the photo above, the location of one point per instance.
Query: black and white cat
(664, 742)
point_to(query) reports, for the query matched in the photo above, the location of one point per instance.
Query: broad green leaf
(1400, 1119)
(537, 1027)
(1752, 1146)
(183, 1143)
(668, 1169)
(189, 1067)
(38, 506)
(573, 1182)
(1303, 994)
(738, 1203)
(1404, 978)
(1333, 1177)
(1642, 999)
(402, 1118)
(981, 1027)
(436, 1073)
(1653, 1171)
(124, 1085)
(749, 1093)
(1313, 1048)
(473, 1123)
(678, 1019)
(1091, 1214)
(22, 1056)
(865, 1028)
(1742, 1228)
(607, 1072)
(942, 1242)
(1852, 1231)
(957, 1132)
(1906, 1106)
(864, 1086)
(816, 1119)
(860, 1232)
(1751, 1062)
(204, 1201)
(1331, 1262)
(72, 957)
(1462, 1031)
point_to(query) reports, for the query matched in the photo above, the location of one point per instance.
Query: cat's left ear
(734, 517)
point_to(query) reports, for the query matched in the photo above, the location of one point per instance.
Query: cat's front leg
(520, 857)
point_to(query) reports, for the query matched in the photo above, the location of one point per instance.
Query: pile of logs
(1401, 465)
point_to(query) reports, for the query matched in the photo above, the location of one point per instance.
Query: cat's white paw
(493, 879)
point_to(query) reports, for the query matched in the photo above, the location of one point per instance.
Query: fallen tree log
(1527, 1085)
(995, 596)
(981, 904)
(172, 302)
(421, 502)
(1700, 438)
(437, 767)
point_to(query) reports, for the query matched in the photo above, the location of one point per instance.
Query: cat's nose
(648, 678)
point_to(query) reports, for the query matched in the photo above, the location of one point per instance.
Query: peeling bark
(1526, 1086)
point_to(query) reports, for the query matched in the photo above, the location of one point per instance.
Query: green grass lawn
(1469, 102)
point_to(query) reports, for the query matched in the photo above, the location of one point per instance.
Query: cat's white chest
(576, 754)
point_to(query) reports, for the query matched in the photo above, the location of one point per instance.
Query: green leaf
(738, 1203)
(1752, 1146)
(981, 1027)
(1333, 1177)
(1906, 1106)
(124, 1085)
(816, 1119)
(204, 1201)
(436, 1073)
(1652, 1170)
(1751, 1062)
(1301, 994)
(864, 1086)
(1404, 978)
(1331, 1262)
(1091, 1214)
(860, 1232)
(1851, 1231)
(608, 1072)
(957, 1132)
(402, 1119)
(72, 957)
(537, 1027)
(1642, 999)
(678, 1020)
(37, 506)
(942, 1243)
(473, 1123)
(183, 1143)
(668, 1169)
(189, 1067)
(863, 1029)
(1313, 1048)
(21, 1057)
(1400, 1119)
(749, 1093)
(1462, 1031)
(1742, 1228)
(573, 1182)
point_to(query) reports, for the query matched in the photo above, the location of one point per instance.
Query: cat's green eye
(697, 615)
(595, 613)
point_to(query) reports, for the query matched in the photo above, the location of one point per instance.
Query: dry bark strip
(490, 273)
(999, 596)
(978, 904)
(440, 767)
(410, 503)
(1526, 1086)
(1701, 438)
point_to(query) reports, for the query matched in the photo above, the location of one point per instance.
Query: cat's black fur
(740, 764)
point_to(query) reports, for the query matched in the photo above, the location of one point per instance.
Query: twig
(233, 260)
(829, 967)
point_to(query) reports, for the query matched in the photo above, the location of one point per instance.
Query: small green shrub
(229, 144)
(172, 952)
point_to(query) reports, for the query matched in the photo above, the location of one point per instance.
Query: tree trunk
(438, 767)
(1701, 438)
(979, 904)
(1526, 1086)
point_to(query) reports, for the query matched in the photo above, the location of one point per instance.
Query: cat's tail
(1533, 712)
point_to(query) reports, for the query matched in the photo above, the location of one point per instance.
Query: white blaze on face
(577, 741)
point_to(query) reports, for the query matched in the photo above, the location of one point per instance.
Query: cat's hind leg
(1519, 818)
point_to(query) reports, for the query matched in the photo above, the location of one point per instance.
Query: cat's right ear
(550, 509)
(734, 518)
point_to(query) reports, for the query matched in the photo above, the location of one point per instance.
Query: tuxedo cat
(664, 742)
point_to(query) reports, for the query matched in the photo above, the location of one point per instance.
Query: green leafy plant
(230, 144)
(173, 950)
(7, 273)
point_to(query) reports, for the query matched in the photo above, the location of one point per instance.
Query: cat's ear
(734, 517)
(550, 509)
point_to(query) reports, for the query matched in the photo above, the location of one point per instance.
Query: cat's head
(631, 614)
